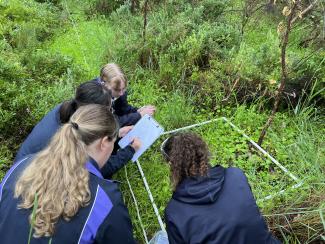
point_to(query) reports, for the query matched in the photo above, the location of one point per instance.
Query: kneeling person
(209, 204)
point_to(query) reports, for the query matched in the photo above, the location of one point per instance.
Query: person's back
(209, 205)
(60, 193)
(219, 208)
(85, 227)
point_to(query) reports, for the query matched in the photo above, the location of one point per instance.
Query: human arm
(116, 162)
(174, 236)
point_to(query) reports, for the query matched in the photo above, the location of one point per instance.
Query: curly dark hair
(188, 155)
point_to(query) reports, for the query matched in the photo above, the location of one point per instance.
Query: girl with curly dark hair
(209, 204)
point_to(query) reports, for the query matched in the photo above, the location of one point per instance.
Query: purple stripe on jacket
(101, 207)
(8, 174)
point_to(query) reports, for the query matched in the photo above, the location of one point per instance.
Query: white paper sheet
(147, 130)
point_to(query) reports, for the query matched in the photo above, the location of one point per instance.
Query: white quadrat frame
(224, 119)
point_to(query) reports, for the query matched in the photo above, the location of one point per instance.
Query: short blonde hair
(113, 74)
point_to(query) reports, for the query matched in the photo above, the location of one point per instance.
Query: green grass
(295, 139)
(86, 42)
(35, 205)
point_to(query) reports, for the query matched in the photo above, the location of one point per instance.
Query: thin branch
(248, 13)
(304, 11)
(145, 20)
(283, 76)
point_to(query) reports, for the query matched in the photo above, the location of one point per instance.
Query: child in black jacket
(86, 93)
(112, 76)
(209, 204)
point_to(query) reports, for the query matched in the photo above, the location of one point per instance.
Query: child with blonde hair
(112, 76)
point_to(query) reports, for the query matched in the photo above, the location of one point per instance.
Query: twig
(293, 213)
(304, 11)
(145, 20)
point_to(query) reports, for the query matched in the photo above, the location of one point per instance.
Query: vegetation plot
(194, 60)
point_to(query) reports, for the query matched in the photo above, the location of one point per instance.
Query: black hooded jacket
(219, 208)
(125, 113)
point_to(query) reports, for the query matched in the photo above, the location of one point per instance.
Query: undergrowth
(192, 68)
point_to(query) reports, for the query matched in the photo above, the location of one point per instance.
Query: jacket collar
(93, 168)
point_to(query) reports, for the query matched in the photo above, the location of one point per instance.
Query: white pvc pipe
(243, 134)
(262, 150)
(136, 206)
(151, 197)
(279, 193)
(190, 126)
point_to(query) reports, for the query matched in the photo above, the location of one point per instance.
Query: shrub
(23, 104)
(47, 67)
(103, 7)
(28, 23)
(260, 63)
(11, 68)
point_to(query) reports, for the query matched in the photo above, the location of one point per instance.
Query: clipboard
(147, 130)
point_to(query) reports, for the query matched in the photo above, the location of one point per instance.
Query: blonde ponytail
(57, 175)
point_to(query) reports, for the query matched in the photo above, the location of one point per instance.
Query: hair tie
(75, 125)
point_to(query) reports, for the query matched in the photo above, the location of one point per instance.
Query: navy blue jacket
(126, 114)
(42, 133)
(219, 208)
(104, 220)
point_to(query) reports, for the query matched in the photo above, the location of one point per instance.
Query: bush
(47, 67)
(29, 23)
(213, 9)
(11, 68)
(306, 79)
(104, 7)
(259, 64)
(175, 111)
(23, 104)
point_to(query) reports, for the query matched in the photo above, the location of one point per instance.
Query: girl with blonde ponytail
(61, 193)
(86, 93)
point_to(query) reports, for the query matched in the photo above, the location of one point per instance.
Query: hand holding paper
(147, 130)
(124, 130)
(136, 143)
(148, 109)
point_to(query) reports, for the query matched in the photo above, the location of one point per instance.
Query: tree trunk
(283, 76)
(134, 5)
(145, 20)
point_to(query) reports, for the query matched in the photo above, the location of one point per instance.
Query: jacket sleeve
(128, 119)
(126, 114)
(115, 162)
(117, 226)
(123, 106)
(172, 232)
(262, 225)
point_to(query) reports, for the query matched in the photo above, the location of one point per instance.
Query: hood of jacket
(201, 190)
